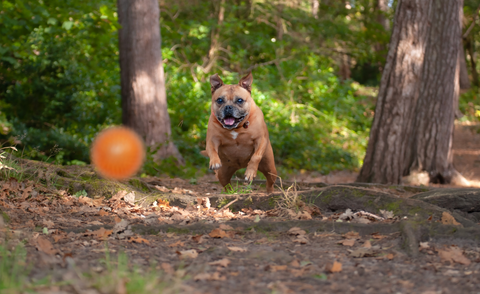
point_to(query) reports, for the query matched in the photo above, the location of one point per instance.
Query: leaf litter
(83, 230)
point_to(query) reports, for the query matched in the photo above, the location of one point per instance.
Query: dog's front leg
(260, 146)
(212, 152)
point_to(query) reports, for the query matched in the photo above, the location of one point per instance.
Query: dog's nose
(228, 110)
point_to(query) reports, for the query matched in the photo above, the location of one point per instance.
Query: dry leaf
(334, 267)
(102, 212)
(225, 227)
(237, 249)
(166, 267)
(348, 242)
(119, 195)
(378, 236)
(453, 254)
(57, 238)
(177, 244)
(48, 224)
(192, 253)
(138, 240)
(301, 239)
(210, 277)
(44, 245)
(130, 198)
(218, 233)
(296, 231)
(367, 244)
(222, 262)
(448, 219)
(424, 245)
(117, 219)
(295, 263)
(390, 256)
(276, 268)
(198, 239)
(351, 235)
(95, 223)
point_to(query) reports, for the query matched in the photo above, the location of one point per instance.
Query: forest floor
(65, 230)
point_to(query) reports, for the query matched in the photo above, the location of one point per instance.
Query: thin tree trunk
(144, 100)
(473, 64)
(413, 124)
(315, 8)
(464, 79)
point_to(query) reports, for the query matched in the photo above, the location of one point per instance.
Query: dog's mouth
(230, 122)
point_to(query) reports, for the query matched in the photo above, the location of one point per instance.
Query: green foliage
(238, 189)
(81, 193)
(13, 270)
(59, 76)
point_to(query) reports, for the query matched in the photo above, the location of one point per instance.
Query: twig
(230, 203)
(473, 23)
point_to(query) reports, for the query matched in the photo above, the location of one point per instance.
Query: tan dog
(237, 135)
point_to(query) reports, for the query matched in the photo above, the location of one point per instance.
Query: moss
(64, 174)
(222, 202)
(272, 202)
(5, 216)
(248, 202)
(327, 197)
(357, 193)
(140, 185)
(178, 231)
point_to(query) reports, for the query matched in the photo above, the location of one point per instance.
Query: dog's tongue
(229, 121)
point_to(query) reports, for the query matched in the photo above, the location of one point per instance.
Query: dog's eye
(219, 100)
(239, 100)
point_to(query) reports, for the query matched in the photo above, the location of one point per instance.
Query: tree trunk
(144, 100)
(471, 51)
(413, 124)
(464, 80)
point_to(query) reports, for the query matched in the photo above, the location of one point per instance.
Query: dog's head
(231, 103)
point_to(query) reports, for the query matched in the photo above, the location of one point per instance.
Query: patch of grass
(178, 231)
(13, 270)
(121, 277)
(238, 189)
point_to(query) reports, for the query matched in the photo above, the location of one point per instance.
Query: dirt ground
(68, 243)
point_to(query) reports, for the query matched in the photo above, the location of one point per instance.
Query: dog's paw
(250, 174)
(215, 164)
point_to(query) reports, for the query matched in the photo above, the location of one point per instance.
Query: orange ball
(117, 153)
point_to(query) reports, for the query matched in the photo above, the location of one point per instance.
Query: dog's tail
(204, 153)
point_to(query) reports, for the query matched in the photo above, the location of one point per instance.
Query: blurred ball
(117, 153)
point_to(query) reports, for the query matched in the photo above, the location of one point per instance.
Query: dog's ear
(215, 82)
(246, 82)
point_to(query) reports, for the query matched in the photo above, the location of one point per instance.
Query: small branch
(226, 206)
(473, 23)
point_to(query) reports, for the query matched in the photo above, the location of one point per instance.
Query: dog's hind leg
(267, 168)
(224, 174)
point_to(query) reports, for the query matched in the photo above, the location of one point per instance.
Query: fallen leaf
(334, 267)
(378, 236)
(177, 244)
(302, 239)
(130, 198)
(351, 235)
(49, 224)
(218, 233)
(348, 242)
(448, 219)
(453, 254)
(166, 267)
(118, 196)
(362, 252)
(390, 256)
(101, 233)
(210, 277)
(222, 262)
(367, 244)
(102, 212)
(198, 239)
(225, 227)
(295, 263)
(117, 219)
(424, 245)
(138, 240)
(276, 268)
(192, 253)
(237, 249)
(44, 245)
(95, 223)
(387, 214)
(296, 231)
(57, 238)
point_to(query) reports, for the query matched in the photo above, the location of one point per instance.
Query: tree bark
(144, 100)
(464, 79)
(413, 124)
